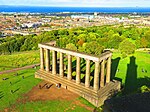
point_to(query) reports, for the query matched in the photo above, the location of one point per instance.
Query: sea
(46, 9)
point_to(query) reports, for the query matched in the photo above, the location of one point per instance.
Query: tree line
(91, 40)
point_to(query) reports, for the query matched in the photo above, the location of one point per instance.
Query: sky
(79, 3)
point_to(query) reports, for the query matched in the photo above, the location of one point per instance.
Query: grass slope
(50, 106)
(134, 70)
(19, 86)
(19, 60)
(129, 70)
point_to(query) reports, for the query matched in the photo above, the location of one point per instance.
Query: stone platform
(96, 97)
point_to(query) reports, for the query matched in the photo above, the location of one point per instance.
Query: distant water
(36, 9)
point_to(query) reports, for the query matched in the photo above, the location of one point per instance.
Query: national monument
(54, 70)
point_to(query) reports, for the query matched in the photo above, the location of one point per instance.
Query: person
(58, 85)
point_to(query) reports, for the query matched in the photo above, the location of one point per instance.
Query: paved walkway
(16, 69)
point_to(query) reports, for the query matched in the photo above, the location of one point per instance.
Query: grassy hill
(19, 59)
(133, 71)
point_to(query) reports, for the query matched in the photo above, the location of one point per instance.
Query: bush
(144, 89)
(124, 55)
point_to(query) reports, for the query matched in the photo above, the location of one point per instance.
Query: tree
(80, 42)
(114, 41)
(126, 47)
(71, 46)
(92, 48)
(147, 37)
(144, 42)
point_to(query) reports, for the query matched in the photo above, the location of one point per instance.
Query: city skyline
(78, 3)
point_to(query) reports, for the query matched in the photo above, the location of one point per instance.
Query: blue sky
(79, 3)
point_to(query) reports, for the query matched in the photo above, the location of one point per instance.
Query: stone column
(102, 74)
(47, 60)
(108, 70)
(54, 62)
(61, 65)
(87, 75)
(96, 76)
(78, 75)
(41, 58)
(69, 67)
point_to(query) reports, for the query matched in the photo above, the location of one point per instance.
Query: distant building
(31, 25)
(82, 16)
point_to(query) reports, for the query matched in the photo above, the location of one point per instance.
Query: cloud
(79, 3)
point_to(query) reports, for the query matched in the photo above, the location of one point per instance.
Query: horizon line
(79, 6)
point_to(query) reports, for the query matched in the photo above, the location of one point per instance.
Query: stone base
(97, 98)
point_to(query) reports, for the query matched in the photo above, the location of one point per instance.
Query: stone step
(64, 81)
(109, 87)
(97, 98)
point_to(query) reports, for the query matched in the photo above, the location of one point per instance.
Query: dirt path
(52, 93)
(21, 68)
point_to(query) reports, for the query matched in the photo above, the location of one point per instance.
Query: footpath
(21, 68)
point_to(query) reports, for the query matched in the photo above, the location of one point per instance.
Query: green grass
(49, 106)
(19, 86)
(19, 60)
(142, 60)
(130, 70)
(22, 86)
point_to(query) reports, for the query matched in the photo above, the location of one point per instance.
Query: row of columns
(99, 72)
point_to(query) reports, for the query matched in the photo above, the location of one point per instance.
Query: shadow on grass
(114, 66)
(143, 81)
(16, 81)
(28, 76)
(19, 74)
(1, 95)
(16, 90)
(132, 83)
(131, 77)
